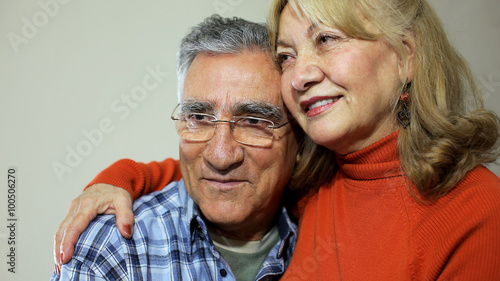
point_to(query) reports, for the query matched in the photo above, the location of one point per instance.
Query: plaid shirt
(170, 242)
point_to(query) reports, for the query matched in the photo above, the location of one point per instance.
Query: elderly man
(237, 149)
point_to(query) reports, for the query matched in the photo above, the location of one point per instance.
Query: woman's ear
(406, 60)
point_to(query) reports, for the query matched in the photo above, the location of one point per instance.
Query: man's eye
(255, 122)
(197, 117)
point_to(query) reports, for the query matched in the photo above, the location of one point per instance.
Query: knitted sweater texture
(365, 225)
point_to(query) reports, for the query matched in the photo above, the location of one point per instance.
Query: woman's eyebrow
(309, 32)
(282, 43)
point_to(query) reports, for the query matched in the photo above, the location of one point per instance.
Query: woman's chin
(324, 138)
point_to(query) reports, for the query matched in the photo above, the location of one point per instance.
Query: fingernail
(128, 229)
(62, 257)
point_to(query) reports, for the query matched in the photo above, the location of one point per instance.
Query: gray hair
(218, 35)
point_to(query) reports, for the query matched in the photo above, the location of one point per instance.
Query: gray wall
(84, 83)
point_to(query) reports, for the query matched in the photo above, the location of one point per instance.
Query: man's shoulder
(171, 198)
(100, 234)
(158, 216)
(100, 252)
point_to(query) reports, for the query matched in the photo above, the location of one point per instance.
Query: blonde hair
(450, 131)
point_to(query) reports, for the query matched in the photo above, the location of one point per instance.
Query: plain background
(70, 68)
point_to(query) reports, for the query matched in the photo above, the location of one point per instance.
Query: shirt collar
(193, 214)
(287, 230)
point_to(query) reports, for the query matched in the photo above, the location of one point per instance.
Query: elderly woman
(378, 84)
(392, 185)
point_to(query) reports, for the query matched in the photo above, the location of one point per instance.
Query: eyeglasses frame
(217, 121)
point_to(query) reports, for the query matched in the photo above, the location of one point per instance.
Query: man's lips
(224, 183)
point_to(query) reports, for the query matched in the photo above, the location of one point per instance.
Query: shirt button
(223, 272)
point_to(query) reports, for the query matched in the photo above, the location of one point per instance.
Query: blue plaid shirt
(170, 242)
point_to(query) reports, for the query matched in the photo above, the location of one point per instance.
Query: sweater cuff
(124, 173)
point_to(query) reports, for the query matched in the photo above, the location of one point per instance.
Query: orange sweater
(365, 225)
(138, 178)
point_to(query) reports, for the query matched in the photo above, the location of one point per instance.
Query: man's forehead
(234, 84)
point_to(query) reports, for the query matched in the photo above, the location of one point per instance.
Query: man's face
(238, 187)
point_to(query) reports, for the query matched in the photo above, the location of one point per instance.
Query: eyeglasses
(200, 127)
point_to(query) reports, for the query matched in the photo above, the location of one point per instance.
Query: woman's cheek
(290, 100)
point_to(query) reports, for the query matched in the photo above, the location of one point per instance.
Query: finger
(57, 247)
(58, 236)
(57, 251)
(124, 216)
(73, 230)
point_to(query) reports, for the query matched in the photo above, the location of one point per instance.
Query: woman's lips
(318, 105)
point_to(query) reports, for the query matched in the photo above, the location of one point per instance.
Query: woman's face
(341, 90)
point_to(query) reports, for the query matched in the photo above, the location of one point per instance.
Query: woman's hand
(97, 199)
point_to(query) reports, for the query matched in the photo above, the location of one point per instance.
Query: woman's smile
(318, 105)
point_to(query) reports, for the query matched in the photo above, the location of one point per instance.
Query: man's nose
(222, 151)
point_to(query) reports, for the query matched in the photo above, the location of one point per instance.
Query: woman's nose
(305, 74)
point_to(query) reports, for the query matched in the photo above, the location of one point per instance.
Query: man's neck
(247, 233)
(245, 246)
(245, 258)
(241, 235)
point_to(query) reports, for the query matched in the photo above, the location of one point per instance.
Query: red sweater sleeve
(140, 178)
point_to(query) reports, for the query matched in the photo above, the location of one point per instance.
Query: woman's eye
(325, 38)
(283, 59)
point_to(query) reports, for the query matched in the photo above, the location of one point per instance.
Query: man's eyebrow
(197, 106)
(259, 109)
